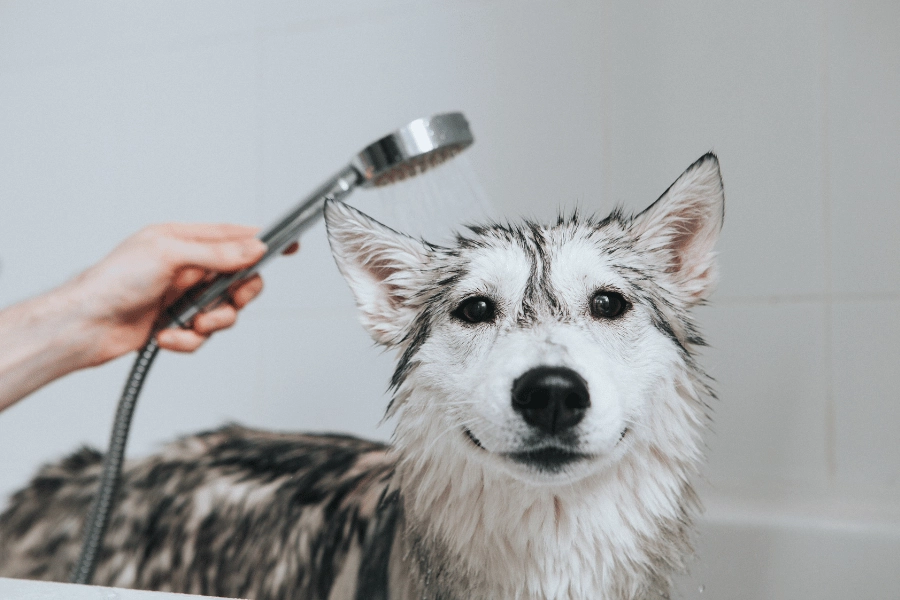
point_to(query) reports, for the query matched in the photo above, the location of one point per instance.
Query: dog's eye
(608, 305)
(475, 310)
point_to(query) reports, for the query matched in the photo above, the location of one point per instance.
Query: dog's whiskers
(460, 426)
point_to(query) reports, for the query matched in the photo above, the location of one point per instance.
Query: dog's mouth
(472, 438)
(550, 458)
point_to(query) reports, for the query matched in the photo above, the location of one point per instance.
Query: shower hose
(98, 517)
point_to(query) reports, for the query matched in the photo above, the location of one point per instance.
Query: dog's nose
(553, 399)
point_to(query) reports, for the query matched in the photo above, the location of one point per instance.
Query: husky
(549, 417)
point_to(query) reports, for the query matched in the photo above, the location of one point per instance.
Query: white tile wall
(866, 356)
(534, 153)
(864, 129)
(769, 363)
(683, 79)
(93, 151)
(288, 16)
(40, 34)
(116, 115)
(322, 373)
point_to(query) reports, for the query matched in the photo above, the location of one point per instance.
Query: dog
(549, 412)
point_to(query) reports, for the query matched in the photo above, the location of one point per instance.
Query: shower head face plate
(417, 147)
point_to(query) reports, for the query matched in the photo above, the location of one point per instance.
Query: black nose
(552, 399)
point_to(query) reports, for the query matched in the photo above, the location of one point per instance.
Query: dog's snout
(553, 399)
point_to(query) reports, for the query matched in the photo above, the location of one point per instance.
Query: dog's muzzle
(551, 399)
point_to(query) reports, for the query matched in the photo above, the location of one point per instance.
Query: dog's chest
(507, 545)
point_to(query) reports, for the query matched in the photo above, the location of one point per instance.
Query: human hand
(111, 308)
(124, 295)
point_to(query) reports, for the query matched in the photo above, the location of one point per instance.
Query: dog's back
(233, 512)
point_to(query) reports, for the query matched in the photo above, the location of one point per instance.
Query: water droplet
(702, 588)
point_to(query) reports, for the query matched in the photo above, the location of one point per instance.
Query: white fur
(481, 525)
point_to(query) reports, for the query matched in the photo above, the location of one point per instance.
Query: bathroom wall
(114, 115)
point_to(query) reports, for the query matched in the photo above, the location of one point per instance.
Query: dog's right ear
(382, 266)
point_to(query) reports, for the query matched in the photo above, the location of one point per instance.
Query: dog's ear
(382, 266)
(684, 224)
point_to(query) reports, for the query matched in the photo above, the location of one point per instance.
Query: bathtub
(784, 547)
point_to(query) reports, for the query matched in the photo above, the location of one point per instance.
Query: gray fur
(233, 512)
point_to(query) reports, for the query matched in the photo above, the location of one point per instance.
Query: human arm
(111, 308)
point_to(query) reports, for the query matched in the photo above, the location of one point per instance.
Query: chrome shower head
(412, 149)
(420, 145)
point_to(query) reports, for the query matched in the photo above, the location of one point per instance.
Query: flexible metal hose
(419, 145)
(104, 501)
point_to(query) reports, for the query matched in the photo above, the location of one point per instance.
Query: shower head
(412, 149)
(420, 145)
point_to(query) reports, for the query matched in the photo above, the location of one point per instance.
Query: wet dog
(548, 411)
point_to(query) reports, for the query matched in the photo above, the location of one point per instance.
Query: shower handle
(278, 237)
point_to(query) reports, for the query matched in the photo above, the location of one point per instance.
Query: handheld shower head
(418, 146)
(412, 149)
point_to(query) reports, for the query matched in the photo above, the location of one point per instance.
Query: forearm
(40, 340)
(111, 308)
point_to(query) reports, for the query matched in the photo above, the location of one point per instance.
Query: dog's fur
(462, 504)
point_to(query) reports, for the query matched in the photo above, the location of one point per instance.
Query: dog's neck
(471, 531)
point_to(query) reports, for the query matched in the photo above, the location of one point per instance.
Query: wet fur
(234, 512)
(443, 512)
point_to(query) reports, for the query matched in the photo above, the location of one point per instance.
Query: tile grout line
(830, 408)
(824, 298)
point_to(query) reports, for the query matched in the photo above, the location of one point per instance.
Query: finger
(221, 317)
(223, 257)
(207, 232)
(188, 277)
(180, 340)
(246, 291)
(184, 280)
(291, 249)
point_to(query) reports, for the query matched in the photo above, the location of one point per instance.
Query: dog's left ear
(382, 266)
(684, 224)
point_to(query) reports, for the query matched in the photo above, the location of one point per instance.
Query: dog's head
(547, 351)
